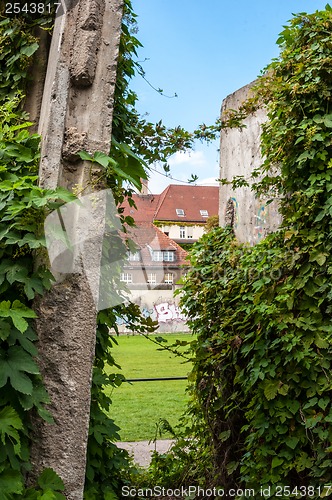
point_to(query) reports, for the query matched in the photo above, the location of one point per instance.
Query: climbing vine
(261, 383)
(23, 207)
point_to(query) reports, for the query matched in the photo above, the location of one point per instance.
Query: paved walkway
(141, 450)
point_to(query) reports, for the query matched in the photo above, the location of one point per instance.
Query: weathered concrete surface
(76, 114)
(141, 451)
(240, 154)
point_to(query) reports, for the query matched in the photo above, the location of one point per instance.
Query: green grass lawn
(137, 407)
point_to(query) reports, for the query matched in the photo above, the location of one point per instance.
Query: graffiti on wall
(163, 312)
(147, 313)
(236, 212)
(260, 222)
(167, 312)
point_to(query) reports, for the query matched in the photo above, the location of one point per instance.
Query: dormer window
(204, 213)
(180, 212)
(163, 256)
(134, 256)
(169, 256)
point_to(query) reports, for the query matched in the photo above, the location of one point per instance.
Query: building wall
(140, 275)
(239, 155)
(161, 306)
(173, 231)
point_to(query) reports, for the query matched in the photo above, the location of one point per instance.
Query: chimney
(145, 188)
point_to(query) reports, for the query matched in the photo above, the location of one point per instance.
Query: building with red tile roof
(156, 263)
(180, 211)
(154, 267)
(187, 203)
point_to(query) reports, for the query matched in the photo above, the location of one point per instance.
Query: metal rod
(153, 379)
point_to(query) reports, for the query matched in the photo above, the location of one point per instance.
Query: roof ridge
(161, 200)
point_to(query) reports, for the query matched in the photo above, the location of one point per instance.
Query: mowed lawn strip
(137, 407)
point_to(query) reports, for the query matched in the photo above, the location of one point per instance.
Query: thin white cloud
(194, 158)
(182, 166)
(208, 181)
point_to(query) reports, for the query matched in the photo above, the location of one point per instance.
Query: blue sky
(203, 51)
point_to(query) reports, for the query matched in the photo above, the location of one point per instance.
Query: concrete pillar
(76, 114)
(240, 153)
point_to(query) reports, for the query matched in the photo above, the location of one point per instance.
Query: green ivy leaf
(38, 398)
(14, 364)
(231, 467)
(328, 120)
(47, 495)
(223, 436)
(303, 462)
(292, 442)
(320, 342)
(85, 156)
(102, 158)
(4, 330)
(10, 423)
(17, 272)
(28, 50)
(271, 388)
(283, 389)
(293, 406)
(32, 241)
(276, 462)
(11, 482)
(33, 286)
(17, 312)
(321, 259)
(49, 479)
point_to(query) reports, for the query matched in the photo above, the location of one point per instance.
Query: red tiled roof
(150, 238)
(146, 207)
(191, 199)
(163, 206)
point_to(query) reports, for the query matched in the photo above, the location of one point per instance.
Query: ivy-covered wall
(261, 384)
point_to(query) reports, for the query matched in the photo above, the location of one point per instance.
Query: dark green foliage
(261, 365)
(261, 383)
(22, 211)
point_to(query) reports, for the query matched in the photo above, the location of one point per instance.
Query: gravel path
(141, 450)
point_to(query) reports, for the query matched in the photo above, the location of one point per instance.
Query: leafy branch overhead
(150, 142)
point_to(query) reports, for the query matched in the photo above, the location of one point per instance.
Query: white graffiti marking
(168, 312)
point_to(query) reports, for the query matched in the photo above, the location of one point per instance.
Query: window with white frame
(204, 213)
(134, 256)
(152, 278)
(157, 256)
(180, 212)
(163, 256)
(126, 277)
(169, 278)
(169, 256)
(182, 232)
